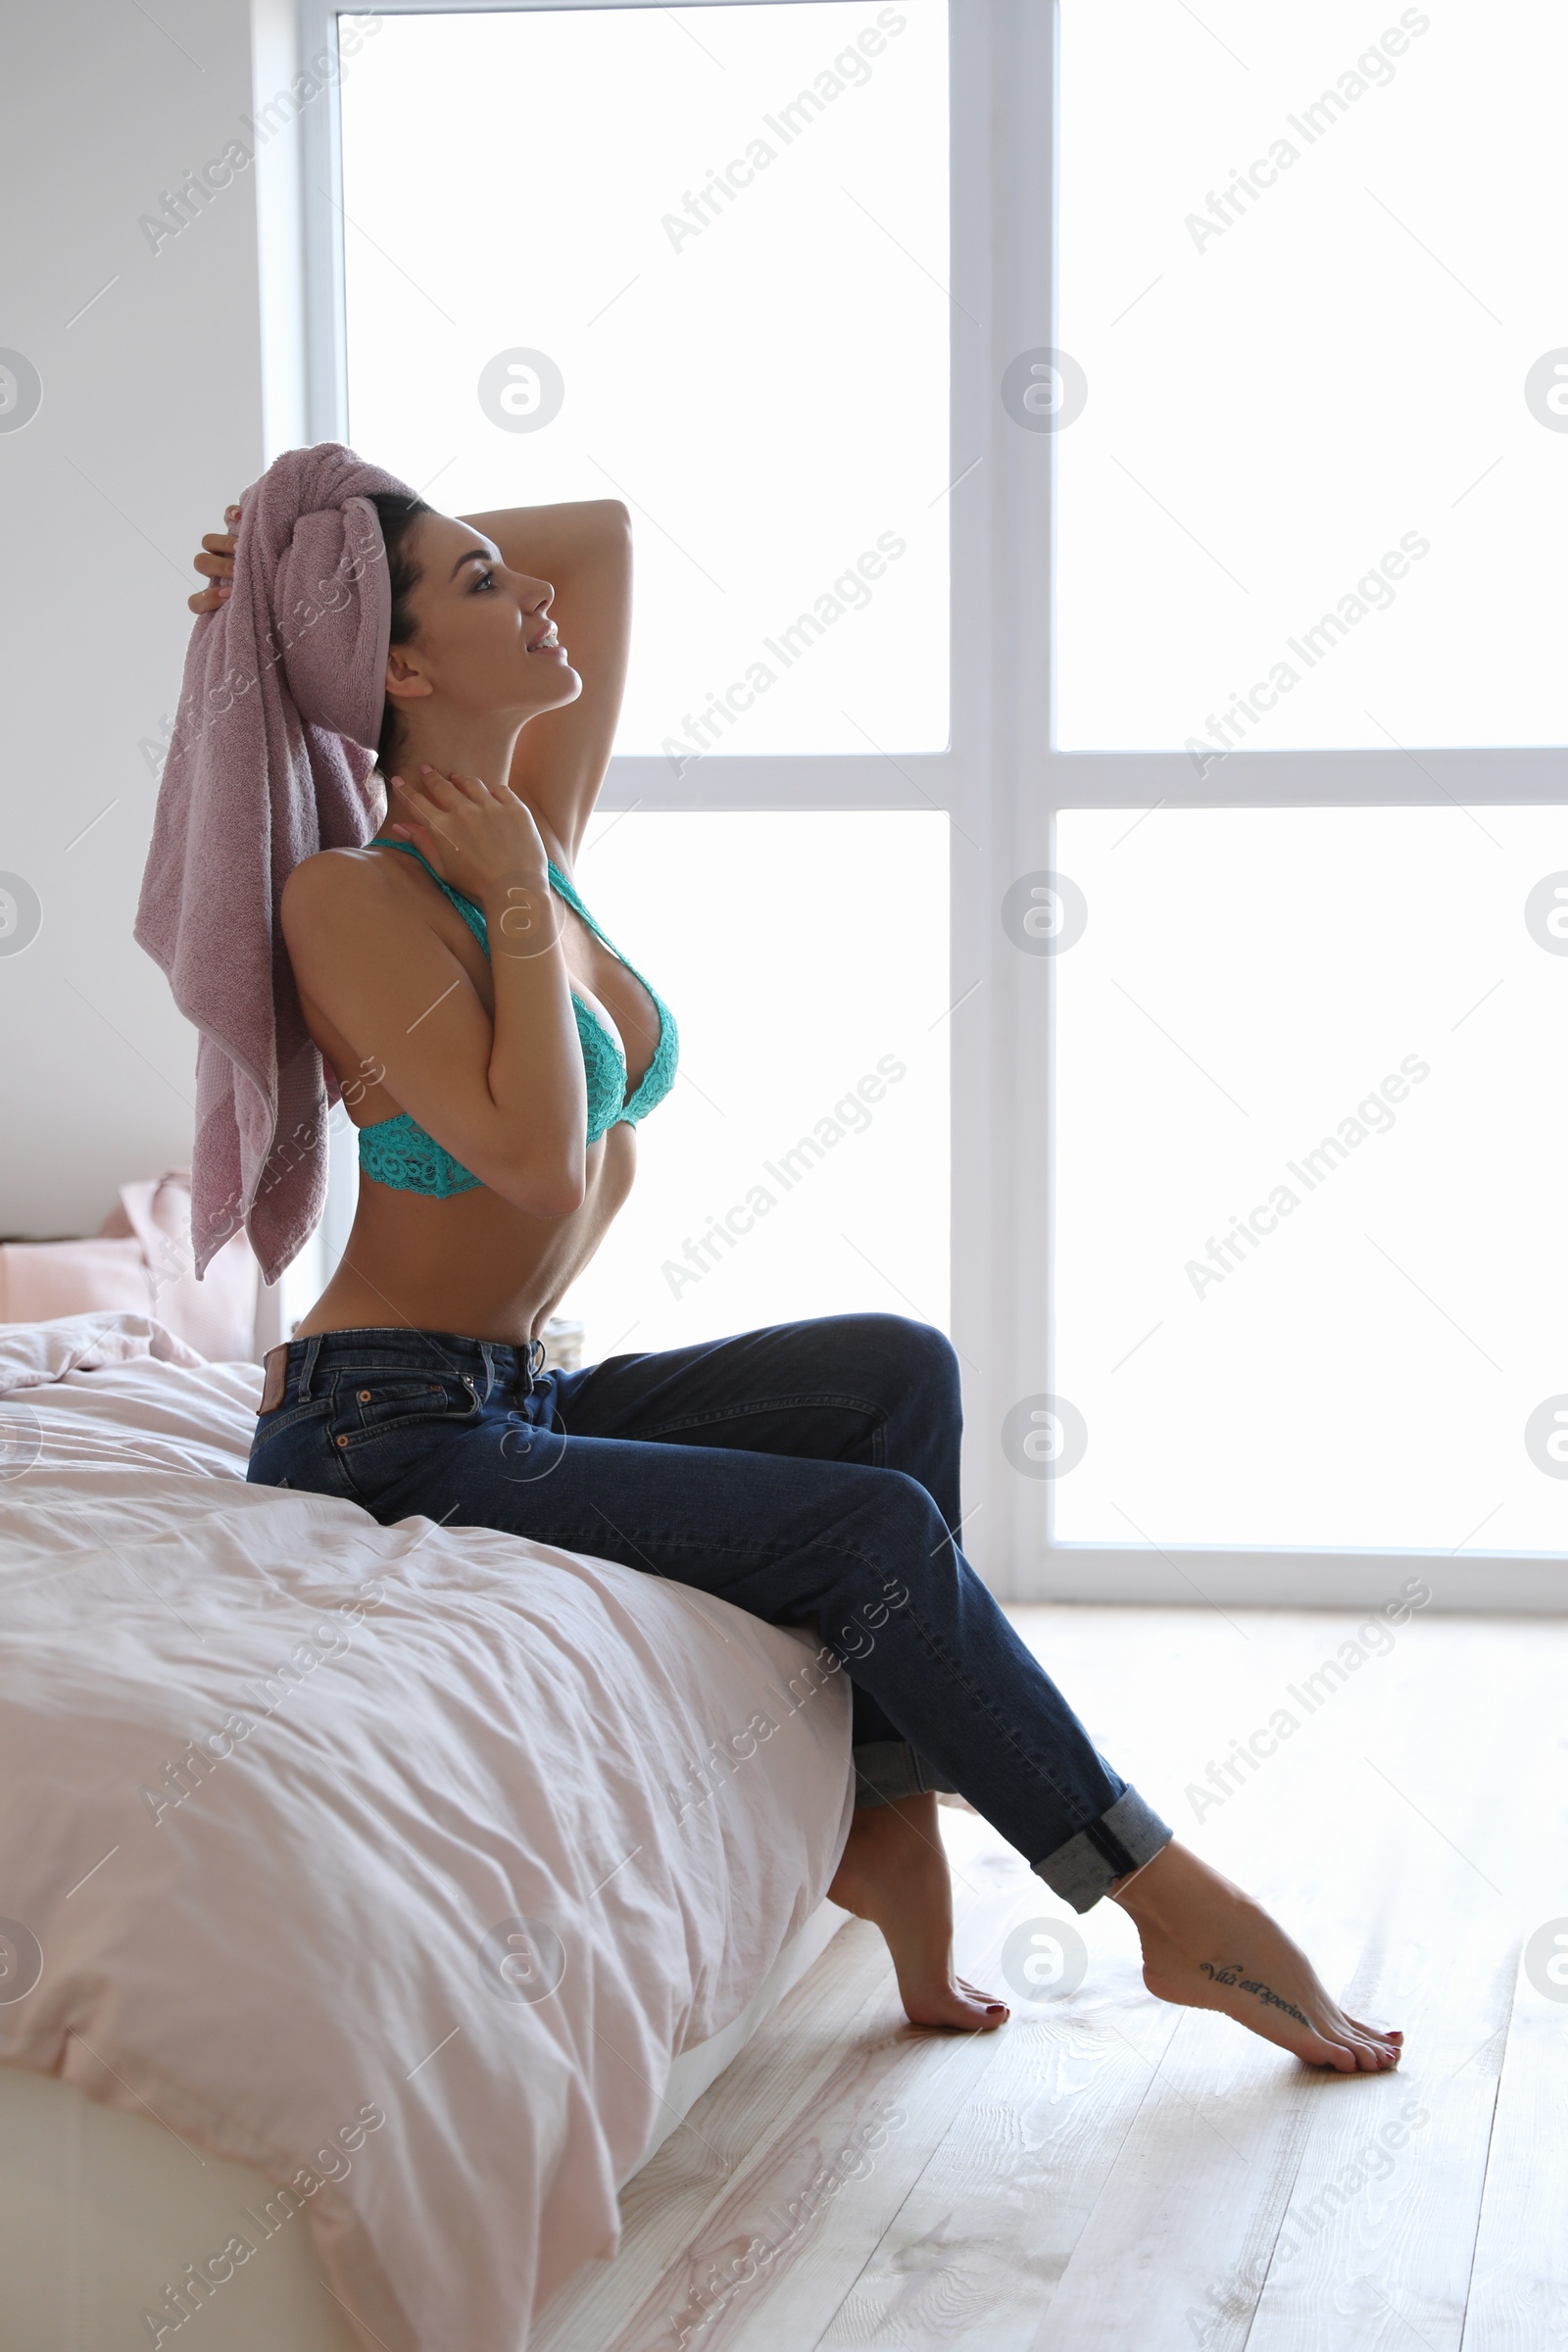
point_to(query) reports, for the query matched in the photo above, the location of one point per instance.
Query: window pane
(756, 361)
(799, 1167)
(1312, 270)
(1311, 1128)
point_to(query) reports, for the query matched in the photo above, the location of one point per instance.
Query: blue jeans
(807, 1473)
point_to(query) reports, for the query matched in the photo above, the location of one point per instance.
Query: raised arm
(583, 548)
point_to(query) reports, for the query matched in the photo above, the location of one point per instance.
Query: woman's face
(485, 638)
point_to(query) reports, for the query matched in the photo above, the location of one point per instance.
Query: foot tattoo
(1231, 1973)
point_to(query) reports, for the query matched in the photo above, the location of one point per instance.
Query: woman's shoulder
(332, 876)
(335, 886)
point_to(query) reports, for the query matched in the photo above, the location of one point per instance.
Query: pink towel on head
(271, 759)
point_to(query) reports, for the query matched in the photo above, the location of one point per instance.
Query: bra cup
(604, 1069)
(659, 1076)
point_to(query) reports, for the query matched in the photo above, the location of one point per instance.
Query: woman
(496, 1053)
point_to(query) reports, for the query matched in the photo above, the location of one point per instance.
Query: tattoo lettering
(1231, 1973)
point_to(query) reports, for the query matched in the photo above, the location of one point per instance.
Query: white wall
(151, 420)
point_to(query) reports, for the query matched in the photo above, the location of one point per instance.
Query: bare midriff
(473, 1263)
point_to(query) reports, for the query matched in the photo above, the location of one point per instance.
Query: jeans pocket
(384, 1425)
(376, 1405)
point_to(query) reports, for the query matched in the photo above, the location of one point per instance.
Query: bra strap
(472, 915)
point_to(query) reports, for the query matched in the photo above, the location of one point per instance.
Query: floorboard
(1110, 2173)
(1518, 2296)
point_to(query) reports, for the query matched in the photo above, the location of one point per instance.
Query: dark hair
(399, 513)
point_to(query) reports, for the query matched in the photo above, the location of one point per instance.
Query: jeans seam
(422, 1419)
(999, 1723)
(764, 1546)
(568, 1539)
(776, 1405)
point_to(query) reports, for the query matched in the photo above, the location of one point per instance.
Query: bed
(373, 1901)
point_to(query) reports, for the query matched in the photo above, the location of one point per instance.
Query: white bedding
(408, 1739)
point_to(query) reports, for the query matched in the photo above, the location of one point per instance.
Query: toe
(952, 2009)
(1373, 2057)
(987, 2001)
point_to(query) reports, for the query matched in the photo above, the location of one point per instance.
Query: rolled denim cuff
(1123, 1839)
(885, 1769)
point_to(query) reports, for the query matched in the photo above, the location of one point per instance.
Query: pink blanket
(320, 1822)
(271, 758)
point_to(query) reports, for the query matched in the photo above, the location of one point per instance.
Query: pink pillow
(140, 1263)
(39, 1280)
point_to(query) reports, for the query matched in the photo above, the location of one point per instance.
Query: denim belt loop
(312, 1349)
(536, 1361)
(487, 1355)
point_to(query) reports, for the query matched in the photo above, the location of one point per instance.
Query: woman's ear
(406, 681)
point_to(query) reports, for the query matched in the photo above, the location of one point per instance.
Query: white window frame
(1001, 784)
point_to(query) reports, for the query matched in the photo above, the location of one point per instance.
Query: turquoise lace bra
(398, 1153)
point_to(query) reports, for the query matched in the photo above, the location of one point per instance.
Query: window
(1311, 1134)
(1312, 497)
(1302, 973)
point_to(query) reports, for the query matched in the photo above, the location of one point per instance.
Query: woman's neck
(485, 753)
(481, 749)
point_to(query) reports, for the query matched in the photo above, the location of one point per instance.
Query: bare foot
(1209, 1946)
(895, 1873)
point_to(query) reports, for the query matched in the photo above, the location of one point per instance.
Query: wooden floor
(1109, 2173)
